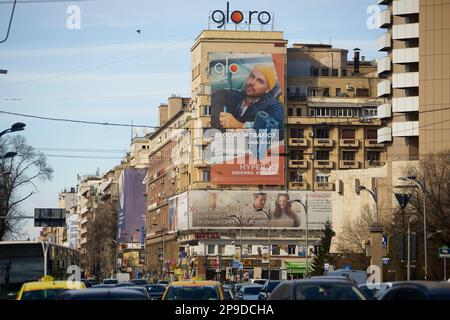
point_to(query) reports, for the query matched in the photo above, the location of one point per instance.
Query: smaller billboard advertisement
(72, 230)
(226, 209)
(178, 213)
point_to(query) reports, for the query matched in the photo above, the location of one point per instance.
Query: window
(338, 92)
(312, 112)
(348, 133)
(291, 249)
(373, 155)
(348, 155)
(290, 112)
(275, 250)
(296, 154)
(335, 72)
(372, 134)
(221, 249)
(322, 133)
(322, 155)
(326, 92)
(206, 175)
(324, 72)
(371, 112)
(296, 133)
(322, 178)
(362, 92)
(207, 110)
(298, 112)
(296, 176)
(211, 249)
(315, 72)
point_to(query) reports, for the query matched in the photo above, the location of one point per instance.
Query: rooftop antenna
(131, 140)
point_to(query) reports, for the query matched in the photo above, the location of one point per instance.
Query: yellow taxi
(194, 290)
(47, 288)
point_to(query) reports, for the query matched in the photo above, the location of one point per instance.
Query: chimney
(356, 60)
(363, 59)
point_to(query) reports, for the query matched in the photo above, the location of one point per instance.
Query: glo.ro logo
(221, 18)
(223, 69)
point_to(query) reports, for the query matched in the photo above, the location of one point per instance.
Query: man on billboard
(253, 107)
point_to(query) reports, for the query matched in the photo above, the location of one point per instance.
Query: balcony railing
(298, 185)
(373, 143)
(405, 129)
(298, 142)
(373, 163)
(323, 142)
(298, 164)
(349, 143)
(384, 134)
(384, 88)
(384, 19)
(405, 80)
(349, 164)
(198, 163)
(324, 186)
(202, 141)
(323, 164)
(405, 31)
(405, 7)
(384, 41)
(384, 65)
(405, 104)
(406, 55)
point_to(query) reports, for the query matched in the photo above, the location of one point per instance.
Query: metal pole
(425, 231)
(270, 249)
(163, 249)
(408, 270)
(45, 251)
(307, 248)
(445, 269)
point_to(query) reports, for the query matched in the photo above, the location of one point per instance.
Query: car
(163, 282)
(89, 282)
(359, 276)
(237, 287)
(47, 289)
(249, 292)
(268, 288)
(334, 278)
(124, 284)
(194, 290)
(139, 282)
(417, 290)
(228, 291)
(317, 289)
(373, 290)
(258, 281)
(101, 285)
(155, 291)
(110, 281)
(140, 289)
(103, 294)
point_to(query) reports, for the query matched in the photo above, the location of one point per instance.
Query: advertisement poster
(247, 117)
(72, 230)
(214, 209)
(178, 213)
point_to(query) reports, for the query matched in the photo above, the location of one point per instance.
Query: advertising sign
(132, 204)
(72, 230)
(247, 119)
(222, 209)
(178, 213)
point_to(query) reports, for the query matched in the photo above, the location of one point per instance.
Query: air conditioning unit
(349, 87)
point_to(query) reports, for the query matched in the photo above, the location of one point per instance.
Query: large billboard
(132, 204)
(214, 209)
(247, 118)
(178, 213)
(72, 230)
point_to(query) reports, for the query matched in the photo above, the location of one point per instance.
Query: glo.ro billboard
(132, 204)
(213, 209)
(247, 118)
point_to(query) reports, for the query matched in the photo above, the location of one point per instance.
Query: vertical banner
(247, 119)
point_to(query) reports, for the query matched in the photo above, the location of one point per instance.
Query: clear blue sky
(108, 72)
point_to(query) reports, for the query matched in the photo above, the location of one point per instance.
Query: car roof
(103, 291)
(423, 284)
(195, 283)
(252, 285)
(42, 285)
(323, 280)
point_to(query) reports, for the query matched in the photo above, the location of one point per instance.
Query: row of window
(343, 112)
(252, 250)
(302, 91)
(324, 133)
(324, 155)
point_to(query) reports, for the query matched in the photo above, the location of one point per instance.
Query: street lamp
(239, 221)
(163, 230)
(18, 126)
(305, 207)
(421, 185)
(9, 155)
(268, 216)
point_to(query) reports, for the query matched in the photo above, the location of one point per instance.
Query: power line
(44, 1)
(81, 157)
(82, 150)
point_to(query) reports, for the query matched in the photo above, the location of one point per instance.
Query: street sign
(347, 267)
(326, 266)
(403, 199)
(386, 261)
(49, 217)
(444, 252)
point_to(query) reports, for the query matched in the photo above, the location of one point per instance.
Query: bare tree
(17, 174)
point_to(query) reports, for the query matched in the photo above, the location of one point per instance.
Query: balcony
(373, 143)
(204, 100)
(302, 164)
(200, 163)
(348, 164)
(323, 142)
(405, 31)
(384, 111)
(407, 55)
(384, 19)
(323, 164)
(406, 104)
(405, 80)
(200, 185)
(323, 186)
(349, 143)
(405, 7)
(384, 88)
(202, 141)
(405, 129)
(384, 65)
(384, 42)
(384, 134)
(298, 185)
(373, 163)
(298, 142)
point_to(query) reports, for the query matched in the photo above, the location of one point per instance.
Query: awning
(295, 267)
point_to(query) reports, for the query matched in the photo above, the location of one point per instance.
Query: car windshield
(156, 289)
(272, 285)
(110, 281)
(192, 293)
(252, 290)
(48, 294)
(139, 281)
(327, 292)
